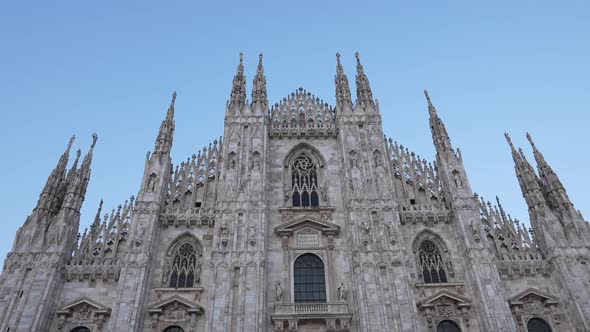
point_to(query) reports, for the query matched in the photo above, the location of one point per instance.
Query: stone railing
(335, 315)
(311, 308)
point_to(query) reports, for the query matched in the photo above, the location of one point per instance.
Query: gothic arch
(432, 254)
(183, 263)
(304, 147)
(184, 238)
(304, 183)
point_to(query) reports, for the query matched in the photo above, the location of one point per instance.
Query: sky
(78, 67)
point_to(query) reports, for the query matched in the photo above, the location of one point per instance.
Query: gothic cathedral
(303, 217)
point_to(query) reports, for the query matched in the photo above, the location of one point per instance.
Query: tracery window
(537, 325)
(304, 180)
(309, 279)
(182, 273)
(447, 326)
(431, 263)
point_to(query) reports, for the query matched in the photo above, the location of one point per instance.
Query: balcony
(336, 316)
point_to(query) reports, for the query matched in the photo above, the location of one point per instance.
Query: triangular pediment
(444, 296)
(322, 226)
(81, 302)
(543, 297)
(158, 307)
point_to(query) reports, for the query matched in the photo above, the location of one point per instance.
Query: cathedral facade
(303, 217)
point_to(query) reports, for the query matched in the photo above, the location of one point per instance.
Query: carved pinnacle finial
(173, 97)
(72, 139)
(260, 58)
(338, 57)
(426, 95)
(241, 58)
(528, 137)
(508, 139)
(358, 58)
(94, 139)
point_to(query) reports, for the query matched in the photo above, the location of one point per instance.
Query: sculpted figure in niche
(278, 291)
(365, 227)
(223, 229)
(457, 177)
(151, 185)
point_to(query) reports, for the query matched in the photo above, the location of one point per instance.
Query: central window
(183, 267)
(431, 263)
(309, 279)
(304, 180)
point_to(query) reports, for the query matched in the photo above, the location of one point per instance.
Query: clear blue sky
(80, 66)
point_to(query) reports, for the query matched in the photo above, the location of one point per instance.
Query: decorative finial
(508, 139)
(71, 141)
(94, 138)
(338, 57)
(241, 57)
(426, 95)
(260, 57)
(528, 136)
(173, 97)
(358, 58)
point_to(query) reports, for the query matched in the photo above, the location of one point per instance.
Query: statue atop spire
(440, 137)
(364, 95)
(259, 97)
(343, 96)
(238, 91)
(166, 132)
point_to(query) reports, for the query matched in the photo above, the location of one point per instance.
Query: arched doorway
(80, 329)
(173, 329)
(537, 325)
(447, 326)
(309, 279)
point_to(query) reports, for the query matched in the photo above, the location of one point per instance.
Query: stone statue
(198, 270)
(278, 291)
(365, 227)
(342, 292)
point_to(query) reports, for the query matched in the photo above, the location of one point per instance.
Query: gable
(325, 227)
(533, 294)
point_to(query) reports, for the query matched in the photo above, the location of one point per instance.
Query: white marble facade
(303, 217)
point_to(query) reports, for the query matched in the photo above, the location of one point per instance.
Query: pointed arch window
(184, 263)
(174, 329)
(431, 263)
(309, 279)
(304, 180)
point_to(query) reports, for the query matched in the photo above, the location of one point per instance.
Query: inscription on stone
(308, 239)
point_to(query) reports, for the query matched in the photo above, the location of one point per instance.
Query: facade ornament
(278, 292)
(252, 235)
(342, 292)
(391, 233)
